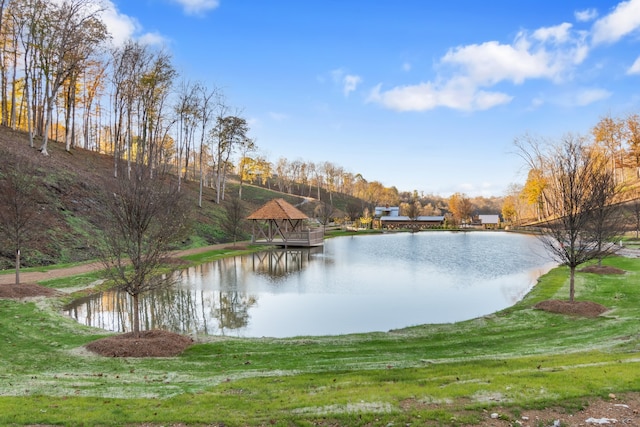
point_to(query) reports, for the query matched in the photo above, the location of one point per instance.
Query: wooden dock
(302, 239)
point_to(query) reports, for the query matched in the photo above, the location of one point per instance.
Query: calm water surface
(353, 284)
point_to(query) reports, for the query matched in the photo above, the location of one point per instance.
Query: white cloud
(586, 15)
(556, 34)
(624, 20)
(155, 39)
(589, 96)
(456, 94)
(197, 7)
(406, 66)
(350, 82)
(635, 68)
(492, 62)
(467, 74)
(528, 57)
(123, 27)
(582, 98)
(536, 103)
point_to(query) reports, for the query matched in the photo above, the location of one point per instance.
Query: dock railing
(303, 238)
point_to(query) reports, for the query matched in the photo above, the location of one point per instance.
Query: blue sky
(418, 94)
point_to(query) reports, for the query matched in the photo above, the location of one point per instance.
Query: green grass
(221, 253)
(440, 374)
(341, 232)
(79, 280)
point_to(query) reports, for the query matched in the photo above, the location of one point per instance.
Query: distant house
(391, 222)
(489, 221)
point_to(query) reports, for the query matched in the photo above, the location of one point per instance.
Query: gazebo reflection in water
(281, 262)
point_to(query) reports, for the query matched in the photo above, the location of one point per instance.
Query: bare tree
(576, 186)
(18, 205)
(65, 39)
(634, 215)
(209, 100)
(144, 216)
(233, 223)
(325, 213)
(154, 87)
(128, 63)
(26, 14)
(606, 223)
(229, 133)
(186, 110)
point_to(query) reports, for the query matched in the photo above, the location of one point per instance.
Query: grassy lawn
(438, 374)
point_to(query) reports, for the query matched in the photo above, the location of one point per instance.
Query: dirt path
(37, 276)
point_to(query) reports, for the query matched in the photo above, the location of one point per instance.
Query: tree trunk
(572, 281)
(201, 180)
(67, 120)
(136, 314)
(18, 266)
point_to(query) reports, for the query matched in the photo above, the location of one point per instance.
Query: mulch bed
(26, 290)
(154, 343)
(575, 308)
(601, 269)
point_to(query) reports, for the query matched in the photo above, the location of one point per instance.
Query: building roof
(277, 209)
(489, 219)
(406, 218)
(387, 210)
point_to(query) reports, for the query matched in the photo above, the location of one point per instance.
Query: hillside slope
(67, 222)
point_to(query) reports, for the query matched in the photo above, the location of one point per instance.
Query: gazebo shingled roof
(278, 209)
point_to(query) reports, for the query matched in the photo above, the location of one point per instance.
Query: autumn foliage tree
(609, 134)
(460, 207)
(633, 138)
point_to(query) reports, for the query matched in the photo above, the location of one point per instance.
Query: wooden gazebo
(279, 223)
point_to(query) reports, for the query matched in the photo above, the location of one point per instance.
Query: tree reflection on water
(208, 299)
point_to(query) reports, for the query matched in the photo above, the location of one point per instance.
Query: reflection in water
(354, 284)
(278, 263)
(193, 306)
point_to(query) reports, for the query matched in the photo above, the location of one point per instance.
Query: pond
(354, 284)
